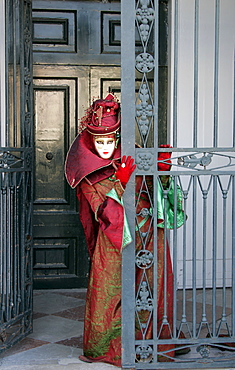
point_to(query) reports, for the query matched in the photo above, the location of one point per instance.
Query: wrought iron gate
(16, 177)
(202, 173)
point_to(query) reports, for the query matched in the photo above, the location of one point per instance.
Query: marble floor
(57, 338)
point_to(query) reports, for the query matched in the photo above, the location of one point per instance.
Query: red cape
(83, 161)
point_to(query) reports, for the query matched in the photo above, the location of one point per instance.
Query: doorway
(76, 48)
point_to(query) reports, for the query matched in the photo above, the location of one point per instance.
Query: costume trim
(168, 215)
(127, 238)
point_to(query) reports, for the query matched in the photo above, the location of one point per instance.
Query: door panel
(77, 32)
(77, 47)
(68, 38)
(105, 80)
(60, 257)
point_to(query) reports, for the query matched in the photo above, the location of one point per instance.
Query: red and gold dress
(103, 218)
(102, 325)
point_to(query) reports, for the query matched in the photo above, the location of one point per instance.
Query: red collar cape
(83, 161)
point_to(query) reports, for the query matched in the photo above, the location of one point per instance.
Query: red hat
(102, 118)
(105, 116)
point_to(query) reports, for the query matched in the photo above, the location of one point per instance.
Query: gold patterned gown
(102, 325)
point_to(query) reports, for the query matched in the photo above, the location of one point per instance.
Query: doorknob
(49, 156)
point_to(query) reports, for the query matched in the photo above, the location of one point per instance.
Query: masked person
(95, 168)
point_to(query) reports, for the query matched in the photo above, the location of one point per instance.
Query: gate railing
(16, 177)
(185, 319)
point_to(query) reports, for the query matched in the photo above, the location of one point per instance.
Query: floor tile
(76, 342)
(24, 345)
(49, 353)
(52, 302)
(53, 328)
(72, 293)
(76, 313)
(37, 315)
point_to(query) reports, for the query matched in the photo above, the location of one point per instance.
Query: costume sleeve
(108, 212)
(87, 218)
(172, 210)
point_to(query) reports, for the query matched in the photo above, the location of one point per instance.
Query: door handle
(49, 156)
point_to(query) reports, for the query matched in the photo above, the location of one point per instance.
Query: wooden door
(76, 58)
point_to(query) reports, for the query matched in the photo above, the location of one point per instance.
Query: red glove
(164, 166)
(125, 170)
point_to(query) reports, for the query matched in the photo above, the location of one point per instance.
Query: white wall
(185, 114)
(206, 71)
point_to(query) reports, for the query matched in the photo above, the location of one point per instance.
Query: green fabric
(101, 347)
(169, 204)
(127, 238)
(140, 224)
(161, 202)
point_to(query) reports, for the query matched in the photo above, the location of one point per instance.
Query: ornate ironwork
(204, 351)
(16, 182)
(144, 353)
(200, 254)
(9, 160)
(144, 110)
(144, 62)
(193, 161)
(144, 161)
(144, 259)
(144, 301)
(215, 161)
(145, 19)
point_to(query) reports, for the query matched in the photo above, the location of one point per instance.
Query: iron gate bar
(195, 87)
(216, 72)
(234, 100)
(214, 251)
(233, 254)
(194, 165)
(175, 75)
(128, 147)
(16, 159)
(155, 25)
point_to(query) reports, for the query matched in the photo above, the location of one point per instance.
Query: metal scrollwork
(144, 259)
(144, 302)
(27, 76)
(144, 62)
(145, 17)
(28, 160)
(144, 353)
(144, 212)
(204, 351)
(3, 336)
(192, 161)
(144, 110)
(27, 35)
(144, 161)
(8, 160)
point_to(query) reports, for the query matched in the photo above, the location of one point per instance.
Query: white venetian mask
(104, 146)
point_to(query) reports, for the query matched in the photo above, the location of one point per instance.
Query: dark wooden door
(76, 57)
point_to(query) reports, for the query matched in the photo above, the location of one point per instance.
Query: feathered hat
(101, 118)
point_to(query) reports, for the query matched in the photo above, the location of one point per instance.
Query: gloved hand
(125, 170)
(164, 166)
